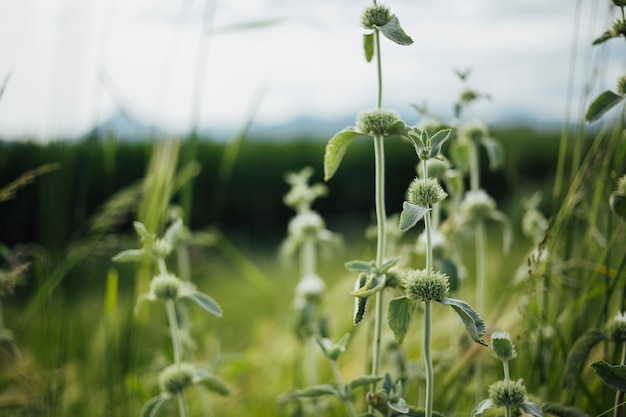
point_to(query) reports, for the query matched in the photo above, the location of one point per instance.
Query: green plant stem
(379, 101)
(342, 389)
(183, 409)
(307, 257)
(307, 267)
(162, 266)
(428, 362)
(381, 217)
(507, 379)
(173, 322)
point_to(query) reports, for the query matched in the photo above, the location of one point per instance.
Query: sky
(72, 64)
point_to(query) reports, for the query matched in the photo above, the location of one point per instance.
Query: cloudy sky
(71, 64)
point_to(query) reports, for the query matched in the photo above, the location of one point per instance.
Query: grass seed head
(426, 285)
(175, 378)
(377, 15)
(504, 393)
(377, 122)
(425, 192)
(165, 287)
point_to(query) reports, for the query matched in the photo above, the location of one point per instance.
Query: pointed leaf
(172, 232)
(360, 304)
(560, 410)
(203, 301)
(364, 380)
(368, 46)
(394, 32)
(360, 266)
(474, 324)
(399, 405)
(317, 391)
(411, 214)
(437, 141)
(388, 385)
(335, 149)
(131, 255)
(388, 264)
(400, 128)
(578, 354)
(531, 408)
(374, 284)
(151, 407)
(482, 407)
(613, 376)
(399, 316)
(495, 153)
(141, 230)
(603, 103)
(602, 38)
(212, 382)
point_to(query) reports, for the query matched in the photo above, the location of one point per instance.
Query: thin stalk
(428, 361)
(307, 267)
(342, 389)
(173, 322)
(379, 101)
(183, 409)
(381, 217)
(619, 396)
(507, 378)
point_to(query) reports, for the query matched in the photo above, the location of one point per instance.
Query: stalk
(342, 389)
(507, 378)
(430, 378)
(173, 322)
(307, 267)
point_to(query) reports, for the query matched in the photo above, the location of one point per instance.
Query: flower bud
(377, 122)
(425, 192)
(376, 15)
(504, 393)
(477, 205)
(618, 28)
(426, 285)
(165, 287)
(502, 346)
(175, 378)
(161, 248)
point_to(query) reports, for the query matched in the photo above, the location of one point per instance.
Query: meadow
(452, 270)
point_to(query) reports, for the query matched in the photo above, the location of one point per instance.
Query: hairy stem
(173, 322)
(183, 409)
(379, 101)
(342, 390)
(507, 379)
(428, 362)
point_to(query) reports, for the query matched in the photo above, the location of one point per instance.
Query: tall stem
(379, 101)
(379, 157)
(342, 389)
(430, 378)
(507, 379)
(183, 409)
(173, 322)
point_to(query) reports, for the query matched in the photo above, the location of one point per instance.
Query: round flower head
(474, 133)
(164, 287)
(306, 224)
(477, 205)
(425, 192)
(504, 393)
(377, 122)
(426, 285)
(175, 378)
(376, 15)
(617, 328)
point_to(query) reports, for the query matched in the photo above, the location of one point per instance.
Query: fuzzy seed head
(425, 192)
(376, 15)
(474, 133)
(504, 393)
(477, 205)
(175, 378)
(617, 328)
(426, 285)
(621, 185)
(618, 28)
(165, 287)
(377, 122)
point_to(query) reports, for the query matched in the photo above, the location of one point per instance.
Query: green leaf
(360, 304)
(335, 149)
(141, 230)
(602, 38)
(399, 316)
(151, 407)
(399, 405)
(212, 382)
(562, 411)
(131, 255)
(394, 32)
(364, 380)
(448, 267)
(172, 232)
(495, 153)
(474, 324)
(317, 391)
(482, 407)
(388, 264)
(578, 354)
(203, 301)
(460, 154)
(400, 128)
(531, 408)
(618, 205)
(437, 140)
(613, 376)
(603, 103)
(415, 136)
(411, 214)
(368, 46)
(361, 266)
(373, 284)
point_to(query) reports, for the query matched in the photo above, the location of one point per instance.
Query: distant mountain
(127, 127)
